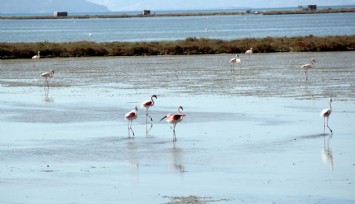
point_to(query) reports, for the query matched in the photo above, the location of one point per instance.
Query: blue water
(175, 28)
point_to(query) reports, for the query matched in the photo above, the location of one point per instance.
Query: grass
(187, 46)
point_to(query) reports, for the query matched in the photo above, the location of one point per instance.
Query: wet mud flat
(250, 135)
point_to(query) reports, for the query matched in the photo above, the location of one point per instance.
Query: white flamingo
(174, 119)
(249, 52)
(235, 60)
(130, 116)
(47, 75)
(36, 57)
(326, 114)
(307, 67)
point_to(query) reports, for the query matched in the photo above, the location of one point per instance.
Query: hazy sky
(134, 5)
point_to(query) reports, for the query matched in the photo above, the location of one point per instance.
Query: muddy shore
(252, 133)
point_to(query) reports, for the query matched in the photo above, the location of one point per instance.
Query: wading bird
(235, 60)
(326, 113)
(306, 67)
(36, 57)
(174, 119)
(148, 104)
(47, 75)
(130, 116)
(249, 52)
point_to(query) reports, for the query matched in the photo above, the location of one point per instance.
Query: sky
(136, 5)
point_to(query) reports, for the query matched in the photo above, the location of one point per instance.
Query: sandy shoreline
(252, 136)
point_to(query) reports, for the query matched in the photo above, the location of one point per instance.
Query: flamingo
(36, 57)
(326, 113)
(148, 104)
(306, 67)
(235, 60)
(47, 75)
(174, 119)
(130, 116)
(249, 52)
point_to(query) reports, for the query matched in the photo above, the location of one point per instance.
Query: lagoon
(176, 28)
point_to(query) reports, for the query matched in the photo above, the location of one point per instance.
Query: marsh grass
(188, 46)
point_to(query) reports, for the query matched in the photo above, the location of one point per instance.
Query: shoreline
(284, 12)
(188, 46)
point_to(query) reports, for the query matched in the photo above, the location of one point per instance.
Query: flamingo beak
(163, 118)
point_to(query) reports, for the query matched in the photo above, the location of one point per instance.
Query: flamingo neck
(151, 99)
(330, 105)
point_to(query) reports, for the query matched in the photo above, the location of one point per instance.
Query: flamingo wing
(45, 74)
(306, 66)
(147, 104)
(325, 113)
(131, 115)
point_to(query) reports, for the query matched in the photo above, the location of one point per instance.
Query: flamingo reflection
(176, 161)
(327, 154)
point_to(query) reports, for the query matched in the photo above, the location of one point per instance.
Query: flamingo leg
(151, 119)
(129, 133)
(130, 127)
(174, 135)
(328, 126)
(324, 126)
(146, 116)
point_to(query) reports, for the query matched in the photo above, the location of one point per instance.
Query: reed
(187, 46)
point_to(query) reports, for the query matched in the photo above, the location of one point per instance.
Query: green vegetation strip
(187, 46)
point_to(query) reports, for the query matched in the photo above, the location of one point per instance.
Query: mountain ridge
(50, 6)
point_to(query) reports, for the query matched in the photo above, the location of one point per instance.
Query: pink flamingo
(148, 104)
(174, 119)
(130, 116)
(249, 52)
(47, 75)
(306, 67)
(326, 114)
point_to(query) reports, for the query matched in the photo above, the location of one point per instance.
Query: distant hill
(50, 6)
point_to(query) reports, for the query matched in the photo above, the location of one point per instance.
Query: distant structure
(311, 7)
(146, 12)
(60, 13)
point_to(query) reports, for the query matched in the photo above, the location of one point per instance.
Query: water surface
(251, 135)
(175, 28)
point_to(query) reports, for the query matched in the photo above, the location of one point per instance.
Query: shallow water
(251, 135)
